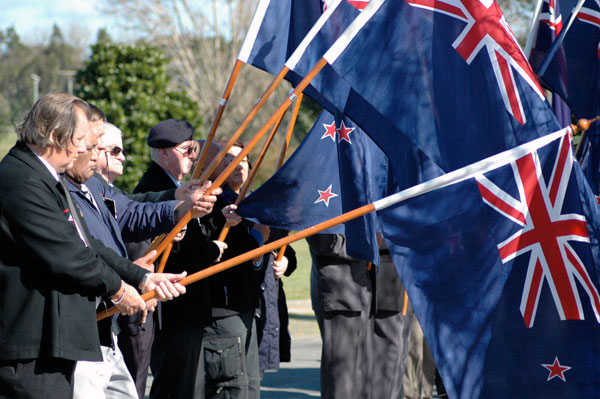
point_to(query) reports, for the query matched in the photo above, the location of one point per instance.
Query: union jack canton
(546, 235)
(487, 28)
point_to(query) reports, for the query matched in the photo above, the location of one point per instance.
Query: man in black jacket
(177, 354)
(51, 270)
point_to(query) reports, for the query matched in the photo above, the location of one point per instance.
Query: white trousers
(107, 379)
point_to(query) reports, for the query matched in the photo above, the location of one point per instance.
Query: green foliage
(19, 61)
(129, 82)
(307, 116)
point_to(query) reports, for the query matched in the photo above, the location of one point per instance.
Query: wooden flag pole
(228, 264)
(161, 242)
(253, 172)
(165, 256)
(236, 135)
(249, 146)
(582, 126)
(284, 148)
(217, 119)
(290, 130)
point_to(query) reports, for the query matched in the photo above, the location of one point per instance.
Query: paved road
(298, 379)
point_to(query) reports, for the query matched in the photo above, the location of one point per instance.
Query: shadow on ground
(296, 383)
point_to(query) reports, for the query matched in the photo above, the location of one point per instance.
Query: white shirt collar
(178, 184)
(50, 168)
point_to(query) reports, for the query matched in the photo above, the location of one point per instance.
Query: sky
(33, 19)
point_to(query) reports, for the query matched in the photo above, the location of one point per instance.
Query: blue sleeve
(140, 221)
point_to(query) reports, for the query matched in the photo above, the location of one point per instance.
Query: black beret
(170, 133)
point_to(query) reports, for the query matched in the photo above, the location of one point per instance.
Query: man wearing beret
(177, 354)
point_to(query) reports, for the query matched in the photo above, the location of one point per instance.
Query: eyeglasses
(115, 151)
(186, 151)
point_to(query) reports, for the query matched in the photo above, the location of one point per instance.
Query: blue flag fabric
(335, 169)
(279, 27)
(276, 30)
(549, 25)
(574, 73)
(574, 69)
(458, 93)
(548, 28)
(501, 271)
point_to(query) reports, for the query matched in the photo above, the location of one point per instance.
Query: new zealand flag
(447, 74)
(335, 169)
(501, 268)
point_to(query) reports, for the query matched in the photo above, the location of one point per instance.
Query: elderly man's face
(84, 166)
(112, 156)
(178, 160)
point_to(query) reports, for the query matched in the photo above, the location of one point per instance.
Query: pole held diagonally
(284, 148)
(253, 172)
(231, 167)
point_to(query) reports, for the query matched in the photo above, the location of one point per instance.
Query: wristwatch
(144, 281)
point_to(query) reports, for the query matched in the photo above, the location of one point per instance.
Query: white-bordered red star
(325, 196)
(343, 132)
(329, 131)
(556, 370)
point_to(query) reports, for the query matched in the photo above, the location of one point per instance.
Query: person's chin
(63, 168)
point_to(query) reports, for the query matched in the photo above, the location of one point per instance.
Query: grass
(297, 286)
(8, 138)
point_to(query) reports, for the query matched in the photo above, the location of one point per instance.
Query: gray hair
(154, 154)
(110, 129)
(52, 120)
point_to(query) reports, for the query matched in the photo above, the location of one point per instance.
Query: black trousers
(231, 357)
(136, 351)
(36, 379)
(178, 363)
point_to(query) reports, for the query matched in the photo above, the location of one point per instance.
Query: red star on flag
(556, 370)
(329, 131)
(344, 133)
(325, 196)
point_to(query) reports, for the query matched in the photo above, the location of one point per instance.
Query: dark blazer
(191, 254)
(48, 278)
(237, 289)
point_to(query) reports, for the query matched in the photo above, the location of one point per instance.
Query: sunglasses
(115, 151)
(186, 151)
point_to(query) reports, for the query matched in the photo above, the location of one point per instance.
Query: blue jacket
(274, 340)
(133, 220)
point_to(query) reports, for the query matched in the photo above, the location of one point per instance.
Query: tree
(102, 36)
(202, 40)
(129, 82)
(19, 61)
